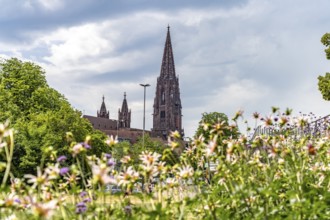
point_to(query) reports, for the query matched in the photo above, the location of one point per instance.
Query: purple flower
(61, 159)
(111, 163)
(87, 200)
(81, 208)
(86, 146)
(83, 194)
(108, 156)
(128, 210)
(64, 171)
(17, 201)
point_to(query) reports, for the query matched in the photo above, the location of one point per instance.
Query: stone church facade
(120, 128)
(124, 115)
(167, 108)
(167, 114)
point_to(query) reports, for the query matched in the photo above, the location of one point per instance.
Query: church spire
(103, 113)
(124, 106)
(124, 115)
(168, 69)
(167, 103)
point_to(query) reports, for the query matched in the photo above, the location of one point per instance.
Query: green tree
(149, 145)
(215, 123)
(40, 115)
(153, 145)
(324, 81)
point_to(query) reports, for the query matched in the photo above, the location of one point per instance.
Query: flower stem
(82, 173)
(9, 157)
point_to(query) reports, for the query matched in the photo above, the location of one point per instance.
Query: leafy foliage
(134, 151)
(324, 86)
(324, 81)
(326, 42)
(215, 123)
(40, 115)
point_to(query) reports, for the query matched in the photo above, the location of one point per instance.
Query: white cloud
(251, 56)
(51, 4)
(73, 45)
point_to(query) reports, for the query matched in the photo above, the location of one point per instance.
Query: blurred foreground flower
(175, 134)
(185, 172)
(302, 121)
(256, 115)
(81, 207)
(64, 171)
(238, 114)
(77, 149)
(101, 174)
(149, 158)
(210, 148)
(61, 159)
(268, 121)
(171, 182)
(53, 171)
(128, 177)
(39, 180)
(172, 144)
(45, 210)
(126, 159)
(111, 141)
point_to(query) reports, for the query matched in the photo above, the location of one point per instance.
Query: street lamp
(118, 126)
(144, 110)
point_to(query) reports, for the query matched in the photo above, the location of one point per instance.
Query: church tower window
(163, 98)
(162, 114)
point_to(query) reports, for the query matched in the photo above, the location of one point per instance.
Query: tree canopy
(324, 81)
(134, 151)
(40, 115)
(215, 123)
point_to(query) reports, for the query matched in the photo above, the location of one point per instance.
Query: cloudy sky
(229, 54)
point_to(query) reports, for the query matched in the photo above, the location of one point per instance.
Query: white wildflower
(185, 172)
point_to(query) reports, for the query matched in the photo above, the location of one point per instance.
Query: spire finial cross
(124, 95)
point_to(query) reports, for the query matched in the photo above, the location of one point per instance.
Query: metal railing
(317, 128)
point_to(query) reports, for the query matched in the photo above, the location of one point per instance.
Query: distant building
(102, 121)
(167, 114)
(103, 113)
(124, 115)
(120, 128)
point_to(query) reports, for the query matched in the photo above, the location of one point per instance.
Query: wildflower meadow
(274, 175)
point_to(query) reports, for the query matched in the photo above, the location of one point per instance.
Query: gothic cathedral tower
(124, 115)
(103, 113)
(167, 103)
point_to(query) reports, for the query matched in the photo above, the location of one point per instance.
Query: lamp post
(118, 126)
(144, 110)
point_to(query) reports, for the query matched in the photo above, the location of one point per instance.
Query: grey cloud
(271, 47)
(18, 19)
